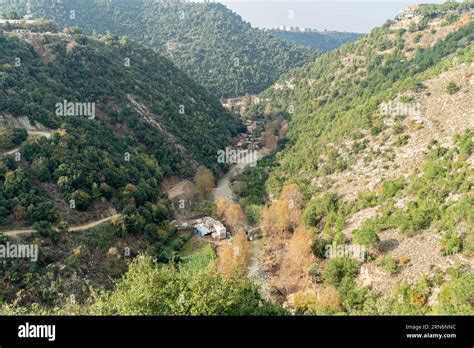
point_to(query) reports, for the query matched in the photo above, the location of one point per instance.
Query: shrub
(391, 187)
(402, 140)
(319, 247)
(317, 209)
(315, 271)
(397, 128)
(468, 243)
(366, 237)
(456, 297)
(389, 264)
(452, 88)
(45, 229)
(352, 296)
(338, 268)
(450, 243)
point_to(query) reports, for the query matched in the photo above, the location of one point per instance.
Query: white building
(209, 226)
(29, 13)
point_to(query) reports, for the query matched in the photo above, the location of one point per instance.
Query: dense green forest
(321, 41)
(150, 120)
(210, 42)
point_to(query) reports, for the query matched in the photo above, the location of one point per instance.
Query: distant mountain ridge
(321, 41)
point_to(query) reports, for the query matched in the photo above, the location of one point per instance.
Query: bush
(315, 272)
(468, 243)
(450, 243)
(319, 247)
(397, 128)
(366, 237)
(352, 296)
(338, 268)
(456, 297)
(402, 140)
(389, 264)
(452, 88)
(45, 229)
(391, 187)
(317, 209)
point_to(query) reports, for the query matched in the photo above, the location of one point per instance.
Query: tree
(6, 138)
(318, 247)
(283, 216)
(204, 183)
(338, 268)
(318, 208)
(11, 15)
(220, 208)
(45, 229)
(231, 213)
(235, 257)
(81, 199)
(292, 195)
(297, 259)
(235, 217)
(151, 289)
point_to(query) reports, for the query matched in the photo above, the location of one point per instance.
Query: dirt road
(71, 229)
(32, 133)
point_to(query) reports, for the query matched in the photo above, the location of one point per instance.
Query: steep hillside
(337, 102)
(378, 155)
(321, 41)
(117, 117)
(208, 41)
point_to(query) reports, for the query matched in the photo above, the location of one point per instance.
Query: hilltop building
(409, 12)
(29, 13)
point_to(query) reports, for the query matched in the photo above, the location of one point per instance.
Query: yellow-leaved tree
(231, 213)
(283, 216)
(204, 183)
(235, 256)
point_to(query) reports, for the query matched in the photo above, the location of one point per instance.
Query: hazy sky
(342, 15)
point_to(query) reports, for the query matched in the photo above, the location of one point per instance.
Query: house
(410, 11)
(202, 229)
(209, 226)
(29, 13)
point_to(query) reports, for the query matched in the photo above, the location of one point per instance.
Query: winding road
(77, 228)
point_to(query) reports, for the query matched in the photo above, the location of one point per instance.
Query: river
(224, 190)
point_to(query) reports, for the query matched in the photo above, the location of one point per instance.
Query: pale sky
(341, 15)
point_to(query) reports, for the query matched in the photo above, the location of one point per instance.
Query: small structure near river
(209, 226)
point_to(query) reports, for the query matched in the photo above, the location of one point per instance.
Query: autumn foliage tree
(231, 213)
(235, 256)
(296, 261)
(283, 216)
(220, 208)
(204, 183)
